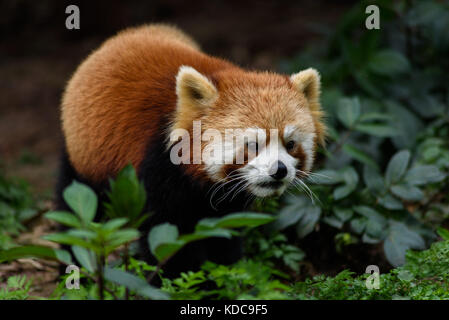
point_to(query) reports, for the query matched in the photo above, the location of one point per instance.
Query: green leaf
(407, 124)
(327, 177)
(405, 275)
(344, 214)
(163, 234)
(369, 239)
(408, 193)
(204, 234)
(375, 116)
(370, 214)
(377, 129)
(65, 218)
(236, 220)
(358, 224)
(374, 228)
(67, 238)
(86, 258)
(35, 252)
(82, 200)
(166, 250)
(360, 155)
(134, 283)
(423, 174)
(165, 241)
(295, 207)
(375, 223)
(390, 202)
(351, 178)
(373, 179)
(343, 191)
(127, 196)
(443, 233)
(397, 166)
(83, 234)
(121, 237)
(114, 224)
(399, 240)
(308, 221)
(333, 222)
(388, 63)
(348, 111)
(431, 154)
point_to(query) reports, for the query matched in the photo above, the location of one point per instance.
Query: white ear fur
(193, 88)
(308, 82)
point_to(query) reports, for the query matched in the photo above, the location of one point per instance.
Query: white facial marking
(257, 173)
(228, 149)
(307, 146)
(259, 170)
(290, 132)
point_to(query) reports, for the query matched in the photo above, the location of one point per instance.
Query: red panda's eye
(290, 145)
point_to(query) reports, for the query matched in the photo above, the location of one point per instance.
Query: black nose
(280, 170)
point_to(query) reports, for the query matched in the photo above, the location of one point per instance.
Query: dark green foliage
(16, 206)
(246, 279)
(17, 288)
(385, 176)
(127, 197)
(424, 276)
(93, 243)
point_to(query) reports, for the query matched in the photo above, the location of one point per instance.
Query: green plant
(17, 288)
(273, 248)
(16, 206)
(93, 243)
(385, 176)
(247, 279)
(424, 276)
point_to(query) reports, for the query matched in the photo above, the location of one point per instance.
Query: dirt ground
(38, 55)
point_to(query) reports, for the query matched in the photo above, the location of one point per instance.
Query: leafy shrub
(17, 288)
(246, 279)
(425, 276)
(93, 243)
(16, 206)
(385, 176)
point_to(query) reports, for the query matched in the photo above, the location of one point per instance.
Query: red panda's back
(112, 106)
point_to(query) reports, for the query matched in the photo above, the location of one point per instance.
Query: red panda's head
(258, 129)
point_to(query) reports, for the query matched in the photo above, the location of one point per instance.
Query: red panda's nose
(280, 170)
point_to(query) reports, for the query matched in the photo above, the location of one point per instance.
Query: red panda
(128, 99)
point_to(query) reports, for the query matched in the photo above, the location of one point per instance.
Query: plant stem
(100, 279)
(126, 261)
(87, 275)
(158, 268)
(342, 141)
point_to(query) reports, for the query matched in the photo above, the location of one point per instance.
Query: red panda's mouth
(271, 184)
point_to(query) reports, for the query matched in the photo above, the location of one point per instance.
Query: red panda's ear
(308, 82)
(193, 89)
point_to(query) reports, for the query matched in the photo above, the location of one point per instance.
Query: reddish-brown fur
(115, 100)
